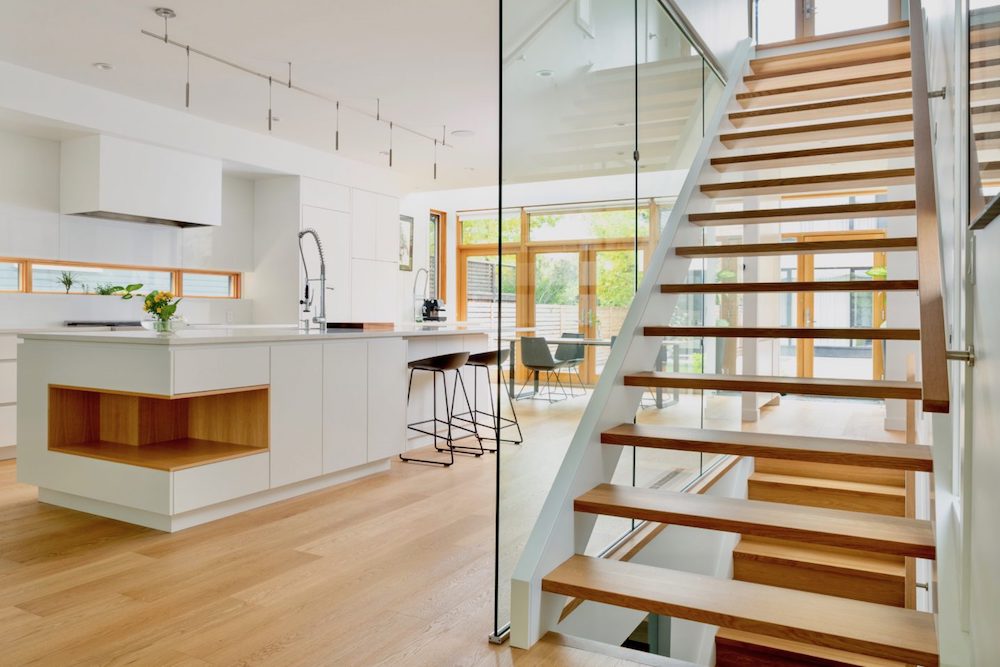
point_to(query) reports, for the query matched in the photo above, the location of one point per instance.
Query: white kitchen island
(173, 431)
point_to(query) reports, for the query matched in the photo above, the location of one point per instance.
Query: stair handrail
(554, 535)
(933, 339)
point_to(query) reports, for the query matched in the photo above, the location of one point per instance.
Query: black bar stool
(483, 360)
(439, 366)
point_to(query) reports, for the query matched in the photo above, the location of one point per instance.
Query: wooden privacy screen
(166, 433)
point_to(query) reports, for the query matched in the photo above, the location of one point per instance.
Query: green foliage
(105, 289)
(161, 305)
(68, 279)
(485, 230)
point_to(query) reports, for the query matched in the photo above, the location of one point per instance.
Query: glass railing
(604, 105)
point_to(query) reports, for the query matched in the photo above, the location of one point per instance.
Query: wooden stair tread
(896, 456)
(805, 213)
(859, 53)
(849, 333)
(804, 88)
(822, 483)
(896, 123)
(790, 286)
(782, 385)
(852, 530)
(748, 641)
(871, 629)
(798, 247)
(822, 558)
(810, 156)
(815, 183)
(895, 25)
(812, 110)
(834, 470)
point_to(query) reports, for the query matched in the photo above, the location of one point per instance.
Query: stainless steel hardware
(968, 356)
(306, 302)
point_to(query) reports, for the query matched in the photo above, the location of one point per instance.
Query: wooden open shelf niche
(161, 432)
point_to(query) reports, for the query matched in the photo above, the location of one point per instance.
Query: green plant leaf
(133, 287)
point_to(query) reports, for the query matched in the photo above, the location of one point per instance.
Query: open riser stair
(822, 572)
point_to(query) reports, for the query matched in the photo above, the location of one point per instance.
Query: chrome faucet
(309, 295)
(418, 302)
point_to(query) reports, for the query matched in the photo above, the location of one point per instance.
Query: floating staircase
(823, 571)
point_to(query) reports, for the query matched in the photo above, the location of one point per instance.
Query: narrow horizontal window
(72, 279)
(10, 276)
(209, 284)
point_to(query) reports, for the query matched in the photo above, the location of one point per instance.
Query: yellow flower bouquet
(162, 306)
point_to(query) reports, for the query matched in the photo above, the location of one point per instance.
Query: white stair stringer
(559, 532)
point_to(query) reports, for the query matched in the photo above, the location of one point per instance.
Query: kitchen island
(174, 431)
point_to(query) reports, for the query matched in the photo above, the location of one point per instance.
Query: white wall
(31, 226)
(721, 23)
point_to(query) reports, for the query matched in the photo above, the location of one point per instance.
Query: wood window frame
(25, 266)
(441, 260)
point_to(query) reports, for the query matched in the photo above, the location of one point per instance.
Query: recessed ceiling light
(462, 133)
(544, 73)
(104, 67)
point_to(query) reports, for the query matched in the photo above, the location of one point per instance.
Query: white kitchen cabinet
(216, 367)
(296, 413)
(373, 291)
(387, 378)
(8, 425)
(8, 347)
(364, 213)
(387, 229)
(345, 405)
(334, 228)
(8, 382)
(324, 194)
(217, 482)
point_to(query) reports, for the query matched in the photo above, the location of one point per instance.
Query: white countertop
(201, 335)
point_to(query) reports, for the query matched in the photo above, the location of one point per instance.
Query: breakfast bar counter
(170, 431)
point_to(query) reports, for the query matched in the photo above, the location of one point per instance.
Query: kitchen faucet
(418, 303)
(306, 301)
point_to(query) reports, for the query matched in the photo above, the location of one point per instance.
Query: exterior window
(480, 228)
(95, 279)
(10, 276)
(433, 233)
(573, 225)
(219, 285)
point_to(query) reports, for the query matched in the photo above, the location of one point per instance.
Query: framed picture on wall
(405, 243)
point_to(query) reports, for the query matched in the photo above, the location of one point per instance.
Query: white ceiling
(431, 62)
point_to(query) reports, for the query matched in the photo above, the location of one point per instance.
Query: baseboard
(173, 523)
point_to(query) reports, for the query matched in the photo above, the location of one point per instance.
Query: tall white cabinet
(360, 234)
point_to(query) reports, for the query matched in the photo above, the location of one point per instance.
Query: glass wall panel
(604, 105)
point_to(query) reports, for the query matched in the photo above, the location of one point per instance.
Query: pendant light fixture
(166, 14)
(435, 159)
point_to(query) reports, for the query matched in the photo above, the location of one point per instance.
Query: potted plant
(162, 306)
(68, 279)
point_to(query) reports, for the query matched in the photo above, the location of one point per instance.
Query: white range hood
(118, 179)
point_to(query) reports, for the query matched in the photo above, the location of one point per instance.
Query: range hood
(118, 179)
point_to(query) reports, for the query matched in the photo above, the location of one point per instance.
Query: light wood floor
(394, 569)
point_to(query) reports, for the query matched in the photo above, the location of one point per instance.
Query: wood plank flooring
(394, 569)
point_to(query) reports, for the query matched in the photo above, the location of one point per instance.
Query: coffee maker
(433, 310)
